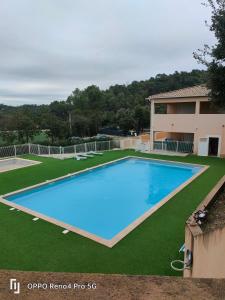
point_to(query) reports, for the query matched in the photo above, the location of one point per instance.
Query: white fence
(175, 146)
(35, 149)
(68, 151)
(14, 150)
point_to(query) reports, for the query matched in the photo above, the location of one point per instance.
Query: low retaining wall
(208, 248)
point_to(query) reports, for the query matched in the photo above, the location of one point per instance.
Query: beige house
(185, 117)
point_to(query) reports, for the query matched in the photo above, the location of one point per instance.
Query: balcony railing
(175, 146)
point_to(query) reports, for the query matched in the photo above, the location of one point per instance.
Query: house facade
(186, 115)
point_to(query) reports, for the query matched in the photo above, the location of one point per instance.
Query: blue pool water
(105, 200)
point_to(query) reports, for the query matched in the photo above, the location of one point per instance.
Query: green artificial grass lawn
(149, 249)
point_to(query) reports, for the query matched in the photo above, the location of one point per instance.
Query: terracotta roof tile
(194, 91)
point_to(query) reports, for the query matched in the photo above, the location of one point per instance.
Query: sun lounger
(95, 153)
(85, 155)
(78, 157)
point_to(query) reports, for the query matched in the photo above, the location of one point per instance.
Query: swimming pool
(106, 202)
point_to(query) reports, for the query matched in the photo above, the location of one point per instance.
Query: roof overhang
(178, 100)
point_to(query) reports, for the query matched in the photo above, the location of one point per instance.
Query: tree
(63, 110)
(8, 136)
(56, 128)
(81, 125)
(141, 116)
(25, 126)
(86, 111)
(214, 57)
(125, 119)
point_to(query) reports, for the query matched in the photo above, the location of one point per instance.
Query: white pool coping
(112, 242)
(31, 163)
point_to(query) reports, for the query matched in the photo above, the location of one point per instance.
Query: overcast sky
(50, 47)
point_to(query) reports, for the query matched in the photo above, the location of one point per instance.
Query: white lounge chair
(95, 153)
(85, 155)
(78, 157)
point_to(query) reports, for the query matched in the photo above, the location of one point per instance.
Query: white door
(203, 146)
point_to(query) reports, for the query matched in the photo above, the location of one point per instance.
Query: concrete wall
(208, 248)
(145, 138)
(128, 143)
(133, 142)
(208, 254)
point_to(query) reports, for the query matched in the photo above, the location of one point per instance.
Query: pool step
(65, 231)
(35, 219)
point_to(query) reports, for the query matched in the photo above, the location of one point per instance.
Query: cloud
(50, 47)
